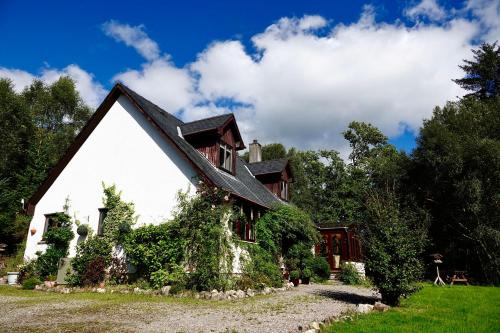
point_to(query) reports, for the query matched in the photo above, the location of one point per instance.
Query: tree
(362, 137)
(457, 167)
(269, 152)
(482, 75)
(36, 128)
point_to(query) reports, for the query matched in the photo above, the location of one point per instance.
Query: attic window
(284, 190)
(226, 157)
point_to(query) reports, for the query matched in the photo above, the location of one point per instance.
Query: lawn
(435, 309)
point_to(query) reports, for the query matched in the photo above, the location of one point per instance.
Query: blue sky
(337, 60)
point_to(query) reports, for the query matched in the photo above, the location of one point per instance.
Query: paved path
(281, 312)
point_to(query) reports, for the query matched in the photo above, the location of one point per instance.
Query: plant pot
(49, 284)
(306, 280)
(296, 282)
(12, 277)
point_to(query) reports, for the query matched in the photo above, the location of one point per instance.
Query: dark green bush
(320, 268)
(154, 247)
(86, 253)
(31, 282)
(349, 274)
(295, 274)
(82, 230)
(47, 263)
(261, 269)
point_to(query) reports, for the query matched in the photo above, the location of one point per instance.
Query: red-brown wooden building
(338, 244)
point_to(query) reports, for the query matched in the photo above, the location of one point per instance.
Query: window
(284, 189)
(102, 215)
(246, 229)
(50, 223)
(226, 157)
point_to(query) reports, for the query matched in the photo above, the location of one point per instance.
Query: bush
(82, 230)
(118, 271)
(320, 268)
(295, 274)
(88, 252)
(119, 218)
(261, 269)
(47, 263)
(31, 282)
(349, 274)
(154, 247)
(95, 271)
(159, 278)
(393, 241)
(306, 273)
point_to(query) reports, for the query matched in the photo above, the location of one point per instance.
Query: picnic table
(459, 276)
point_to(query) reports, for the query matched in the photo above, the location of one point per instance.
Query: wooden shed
(338, 244)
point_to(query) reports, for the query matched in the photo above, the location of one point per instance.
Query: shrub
(118, 271)
(47, 263)
(119, 218)
(95, 271)
(393, 241)
(86, 253)
(159, 278)
(295, 274)
(320, 268)
(154, 247)
(31, 282)
(349, 274)
(306, 273)
(261, 269)
(82, 230)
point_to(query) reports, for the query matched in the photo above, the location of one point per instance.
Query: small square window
(226, 157)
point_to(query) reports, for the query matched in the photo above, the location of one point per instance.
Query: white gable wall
(125, 150)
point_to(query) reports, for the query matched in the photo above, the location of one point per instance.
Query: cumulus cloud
(426, 8)
(91, 91)
(133, 36)
(305, 79)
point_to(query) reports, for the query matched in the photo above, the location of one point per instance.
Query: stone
(381, 307)
(315, 325)
(101, 290)
(165, 290)
(312, 330)
(138, 290)
(364, 308)
(250, 293)
(240, 294)
(266, 291)
(65, 290)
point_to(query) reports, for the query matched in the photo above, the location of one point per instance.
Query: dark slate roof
(270, 166)
(242, 184)
(205, 124)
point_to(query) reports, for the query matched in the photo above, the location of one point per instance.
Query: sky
(295, 72)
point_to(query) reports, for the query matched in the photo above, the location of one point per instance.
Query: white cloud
(91, 91)
(426, 8)
(305, 88)
(133, 36)
(162, 83)
(308, 79)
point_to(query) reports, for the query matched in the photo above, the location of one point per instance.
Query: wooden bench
(459, 276)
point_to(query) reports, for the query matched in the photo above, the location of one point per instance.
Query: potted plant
(294, 277)
(306, 275)
(50, 281)
(82, 230)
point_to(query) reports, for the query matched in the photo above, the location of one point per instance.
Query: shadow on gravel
(347, 297)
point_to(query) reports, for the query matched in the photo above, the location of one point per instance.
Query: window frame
(226, 148)
(46, 224)
(103, 212)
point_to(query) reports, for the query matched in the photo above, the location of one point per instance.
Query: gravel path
(282, 312)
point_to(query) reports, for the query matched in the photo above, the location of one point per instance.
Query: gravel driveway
(288, 311)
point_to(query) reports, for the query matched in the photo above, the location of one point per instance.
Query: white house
(150, 155)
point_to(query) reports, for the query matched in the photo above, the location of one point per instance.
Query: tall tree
(37, 126)
(362, 138)
(482, 74)
(457, 167)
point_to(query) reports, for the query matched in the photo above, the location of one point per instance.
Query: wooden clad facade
(339, 244)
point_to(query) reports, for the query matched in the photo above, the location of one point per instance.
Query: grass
(435, 309)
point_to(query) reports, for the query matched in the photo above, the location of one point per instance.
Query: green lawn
(435, 309)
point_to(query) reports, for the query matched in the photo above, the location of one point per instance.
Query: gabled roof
(243, 184)
(269, 166)
(206, 124)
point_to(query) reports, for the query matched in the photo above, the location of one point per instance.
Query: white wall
(124, 149)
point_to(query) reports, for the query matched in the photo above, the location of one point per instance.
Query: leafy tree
(482, 75)
(362, 137)
(457, 168)
(36, 127)
(270, 151)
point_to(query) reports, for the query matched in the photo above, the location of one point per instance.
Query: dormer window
(226, 157)
(284, 190)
